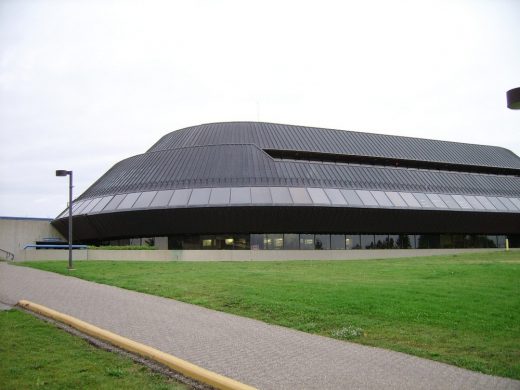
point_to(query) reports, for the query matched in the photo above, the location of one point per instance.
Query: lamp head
(513, 99)
(62, 172)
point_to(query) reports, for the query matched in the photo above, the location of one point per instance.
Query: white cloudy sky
(84, 84)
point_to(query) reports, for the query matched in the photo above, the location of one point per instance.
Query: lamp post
(513, 99)
(62, 172)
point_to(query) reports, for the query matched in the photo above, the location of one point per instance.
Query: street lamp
(513, 99)
(62, 172)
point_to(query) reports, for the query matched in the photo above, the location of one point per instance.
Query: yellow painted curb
(186, 368)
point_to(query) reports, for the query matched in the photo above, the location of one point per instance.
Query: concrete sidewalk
(258, 354)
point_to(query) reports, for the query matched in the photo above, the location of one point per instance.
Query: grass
(459, 309)
(36, 354)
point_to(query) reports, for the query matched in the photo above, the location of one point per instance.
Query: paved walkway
(261, 355)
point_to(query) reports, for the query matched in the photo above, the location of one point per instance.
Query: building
(249, 185)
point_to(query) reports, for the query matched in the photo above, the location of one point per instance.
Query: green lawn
(463, 309)
(36, 354)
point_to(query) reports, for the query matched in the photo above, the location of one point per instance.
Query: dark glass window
(261, 195)
(353, 241)
(352, 198)
(447, 241)
(393, 241)
(491, 241)
(381, 198)
(144, 200)
(367, 198)
(501, 241)
(306, 241)
(180, 198)
(367, 241)
(318, 196)
(337, 241)
(199, 197)
(208, 242)
(257, 241)
(281, 195)
(220, 196)
(322, 241)
(162, 198)
(335, 196)
(425, 241)
(381, 241)
(273, 241)
(241, 241)
(406, 241)
(240, 195)
(291, 241)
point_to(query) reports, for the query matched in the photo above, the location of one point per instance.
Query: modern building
(249, 185)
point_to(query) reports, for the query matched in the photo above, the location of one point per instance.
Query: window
(281, 195)
(396, 199)
(162, 198)
(180, 198)
(318, 196)
(116, 200)
(335, 196)
(423, 200)
(291, 241)
(322, 241)
(367, 241)
(129, 201)
(144, 200)
(261, 195)
(300, 196)
(306, 241)
(220, 196)
(101, 205)
(337, 241)
(353, 241)
(367, 198)
(410, 199)
(352, 198)
(199, 197)
(241, 195)
(273, 241)
(381, 198)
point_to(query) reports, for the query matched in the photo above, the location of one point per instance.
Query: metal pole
(70, 220)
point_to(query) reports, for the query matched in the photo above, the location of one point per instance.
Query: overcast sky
(84, 84)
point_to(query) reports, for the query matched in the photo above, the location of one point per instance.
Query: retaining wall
(237, 255)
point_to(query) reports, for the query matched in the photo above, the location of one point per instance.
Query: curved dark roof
(241, 154)
(312, 139)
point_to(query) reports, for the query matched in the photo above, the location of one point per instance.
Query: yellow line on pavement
(186, 368)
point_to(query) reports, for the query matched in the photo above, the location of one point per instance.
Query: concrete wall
(237, 255)
(15, 233)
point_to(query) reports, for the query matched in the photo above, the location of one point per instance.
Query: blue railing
(54, 246)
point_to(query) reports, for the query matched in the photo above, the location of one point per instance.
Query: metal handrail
(54, 246)
(8, 255)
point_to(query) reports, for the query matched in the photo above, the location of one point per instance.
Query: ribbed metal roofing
(311, 139)
(247, 165)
